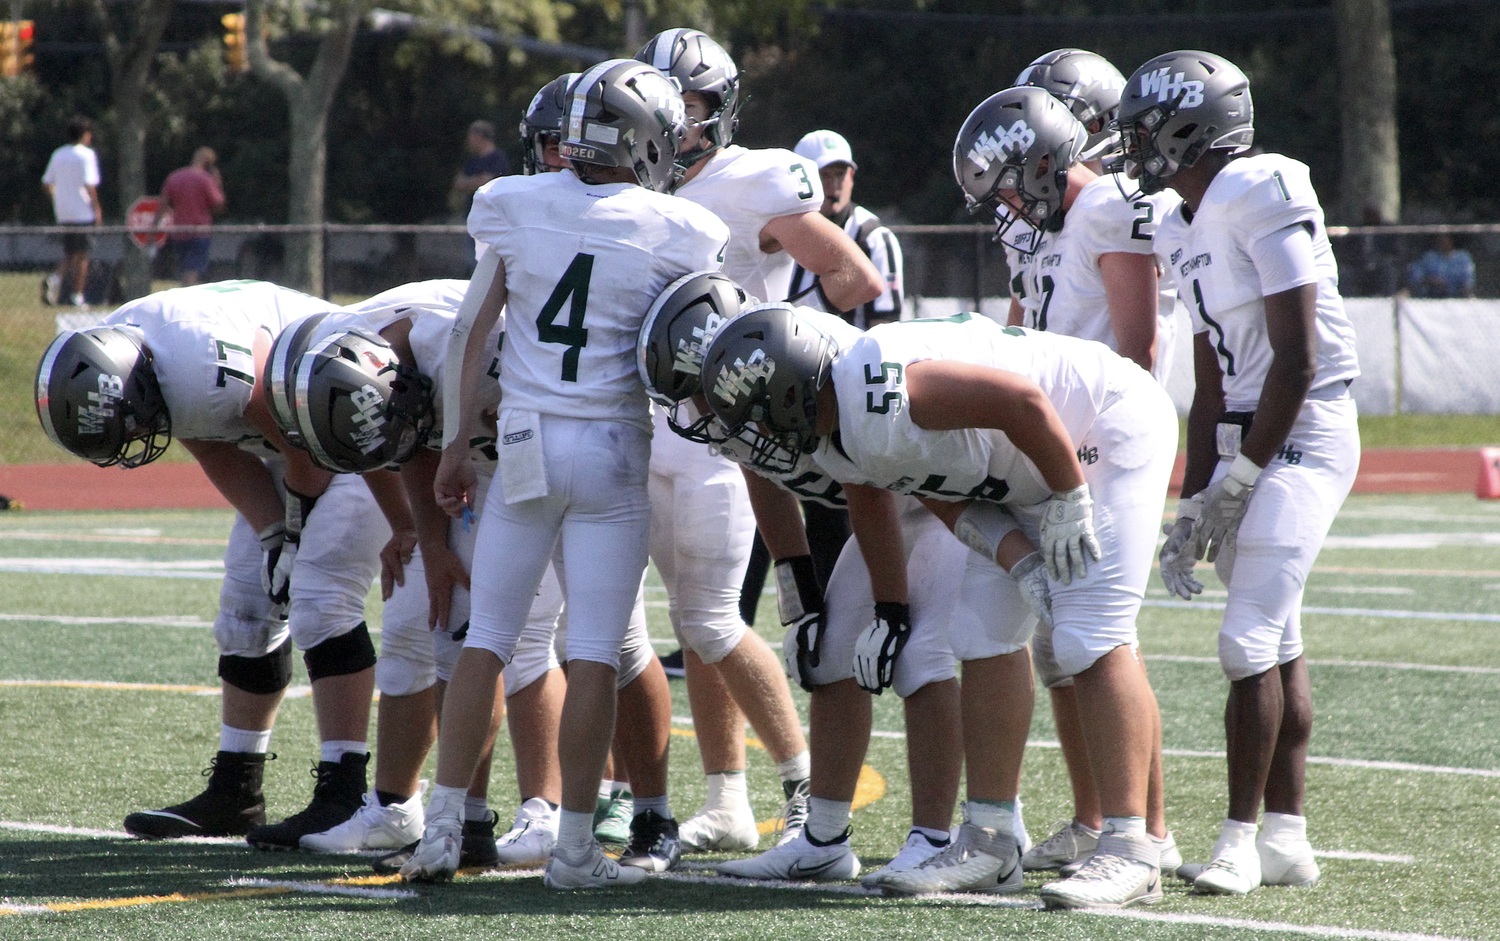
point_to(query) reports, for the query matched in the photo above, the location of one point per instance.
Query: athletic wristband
(1244, 472)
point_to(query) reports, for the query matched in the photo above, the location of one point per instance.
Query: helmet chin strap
(698, 156)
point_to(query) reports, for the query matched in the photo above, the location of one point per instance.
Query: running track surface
(181, 485)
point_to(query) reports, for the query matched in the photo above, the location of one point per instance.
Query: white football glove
(1180, 553)
(1068, 539)
(878, 647)
(799, 601)
(298, 508)
(1224, 503)
(1031, 577)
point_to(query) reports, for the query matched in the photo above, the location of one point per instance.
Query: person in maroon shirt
(194, 194)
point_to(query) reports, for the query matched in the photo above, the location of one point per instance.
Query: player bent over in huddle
(820, 641)
(576, 258)
(1273, 438)
(969, 415)
(184, 362)
(362, 398)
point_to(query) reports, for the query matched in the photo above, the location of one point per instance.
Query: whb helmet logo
(689, 357)
(91, 417)
(740, 379)
(368, 419)
(1167, 87)
(991, 146)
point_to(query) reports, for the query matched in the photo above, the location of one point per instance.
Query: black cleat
(230, 805)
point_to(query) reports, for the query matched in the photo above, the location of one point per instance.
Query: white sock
(795, 768)
(827, 820)
(606, 788)
(575, 833)
(662, 805)
(935, 837)
(249, 741)
(1283, 828)
(476, 808)
(1128, 826)
(726, 789)
(992, 815)
(334, 750)
(1234, 834)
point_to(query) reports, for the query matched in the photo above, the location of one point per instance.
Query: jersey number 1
(574, 284)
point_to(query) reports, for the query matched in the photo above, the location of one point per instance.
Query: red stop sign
(139, 221)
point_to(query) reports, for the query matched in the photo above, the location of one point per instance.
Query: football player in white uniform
(967, 415)
(363, 397)
(819, 646)
(702, 523)
(578, 257)
(1271, 343)
(301, 556)
(1084, 267)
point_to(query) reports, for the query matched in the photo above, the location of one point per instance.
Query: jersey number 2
(575, 285)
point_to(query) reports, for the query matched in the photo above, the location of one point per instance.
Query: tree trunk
(130, 72)
(308, 100)
(1367, 92)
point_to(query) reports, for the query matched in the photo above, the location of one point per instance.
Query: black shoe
(672, 666)
(478, 850)
(653, 843)
(340, 792)
(230, 805)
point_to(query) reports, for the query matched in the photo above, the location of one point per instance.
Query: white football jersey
(1249, 199)
(202, 341)
(1061, 288)
(877, 443)
(747, 189)
(583, 265)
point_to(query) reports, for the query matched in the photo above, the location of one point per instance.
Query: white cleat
(1121, 873)
(593, 870)
(1070, 842)
(531, 839)
(799, 860)
(436, 858)
(373, 827)
(1234, 871)
(1166, 848)
(981, 859)
(916, 851)
(720, 830)
(1287, 863)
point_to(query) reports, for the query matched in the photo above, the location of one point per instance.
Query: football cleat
(437, 856)
(653, 843)
(612, 816)
(799, 860)
(720, 829)
(478, 851)
(374, 826)
(531, 839)
(338, 795)
(1121, 873)
(1070, 842)
(794, 812)
(1282, 864)
(1166, 847)
(592, 870)
(230, 805)
(981, 859)
(918, 849)
(1235, 870)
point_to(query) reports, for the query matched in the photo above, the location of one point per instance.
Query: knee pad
(342, 655)
(271, 673)
(712, 642)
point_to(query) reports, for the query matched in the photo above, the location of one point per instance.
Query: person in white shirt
(72, 180)
(575, 258)
(1272, 439)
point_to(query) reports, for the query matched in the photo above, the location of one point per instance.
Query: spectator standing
(836, 166)
(484, 162)
(1444, 271)
(194, 194)
(72, 180)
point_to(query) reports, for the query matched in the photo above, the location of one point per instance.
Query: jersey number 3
(575, 285)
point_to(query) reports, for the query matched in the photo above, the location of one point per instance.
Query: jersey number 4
(574, 287)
